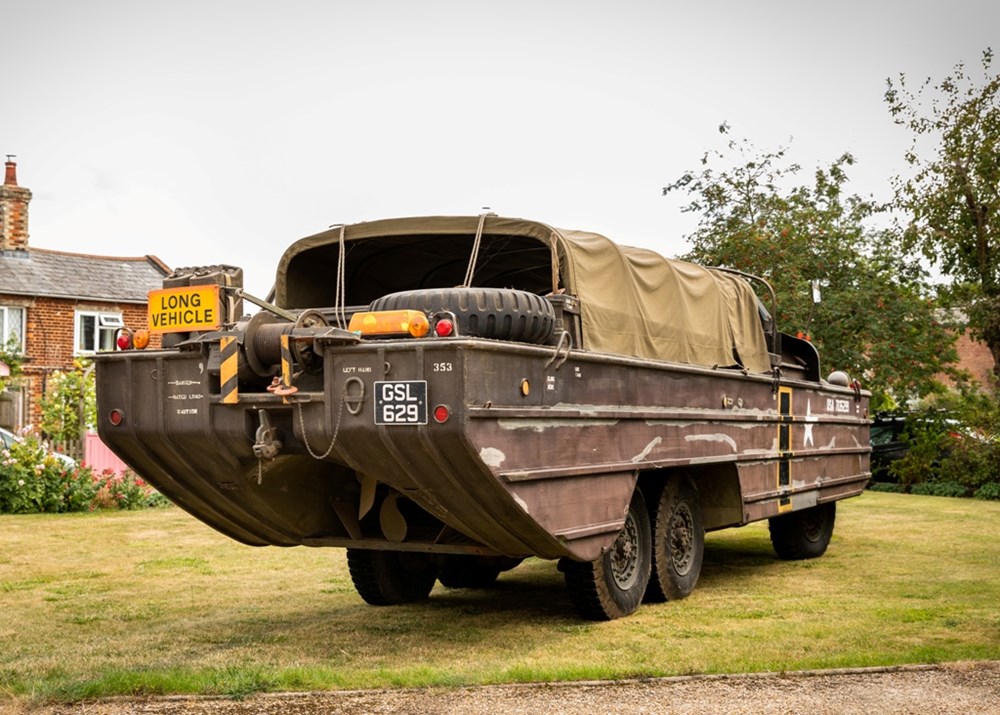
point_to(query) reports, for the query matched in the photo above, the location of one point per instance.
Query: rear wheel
(388, 578)
(803, 534)
(613, 585)
(498, 313)
(678, 541)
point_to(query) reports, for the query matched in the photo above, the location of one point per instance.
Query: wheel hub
(681, 538)
(625, 555)
(812, 527)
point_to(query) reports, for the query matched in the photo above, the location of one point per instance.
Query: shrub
(32, 480)
(125, 491)
(953, 448)
(21, 491)
(988, 491)
(940, 489)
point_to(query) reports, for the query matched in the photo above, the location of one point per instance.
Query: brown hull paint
(539, 455)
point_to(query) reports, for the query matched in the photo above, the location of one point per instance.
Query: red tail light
(444, 327)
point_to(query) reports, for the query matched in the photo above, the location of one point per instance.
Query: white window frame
(104, 321)
(5, 332)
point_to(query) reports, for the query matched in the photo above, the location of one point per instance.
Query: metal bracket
(267, 444)
(354, 398)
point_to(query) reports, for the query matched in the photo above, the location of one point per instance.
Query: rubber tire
(465, 571)
(389, 578)
(592, 586)
(496, 313)
(803, 534)
(678, 541)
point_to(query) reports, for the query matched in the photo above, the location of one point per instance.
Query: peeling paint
(542, 425)
(672, 409)
(520, 502)
(645, 452)
(492, 457)
(717, 437)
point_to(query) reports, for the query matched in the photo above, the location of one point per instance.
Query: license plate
(181, 310)
(401, 402)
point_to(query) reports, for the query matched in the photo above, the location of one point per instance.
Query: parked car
(8, 439)
(888, 445)
(891, 435)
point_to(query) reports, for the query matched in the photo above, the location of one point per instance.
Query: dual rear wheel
(656, 557)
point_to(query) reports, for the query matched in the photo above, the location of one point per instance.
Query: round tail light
(444, 327)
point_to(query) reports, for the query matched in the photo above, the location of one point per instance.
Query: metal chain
(305, 440)
(336, 431)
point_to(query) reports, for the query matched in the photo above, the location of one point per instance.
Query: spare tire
(498, 313)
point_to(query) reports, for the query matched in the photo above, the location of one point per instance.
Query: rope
(475, 252)
(340, 293)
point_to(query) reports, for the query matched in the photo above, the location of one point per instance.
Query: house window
(96, 331)
(11, 325)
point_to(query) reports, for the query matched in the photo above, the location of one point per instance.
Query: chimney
(13, 210)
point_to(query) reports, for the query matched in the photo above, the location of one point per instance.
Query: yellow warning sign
(176, 310)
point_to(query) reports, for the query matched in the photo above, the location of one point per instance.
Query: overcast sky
(220, 132)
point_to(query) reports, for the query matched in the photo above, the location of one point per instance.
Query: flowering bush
(124, 491)
(32, 480)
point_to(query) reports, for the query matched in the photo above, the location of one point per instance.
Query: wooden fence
(93, 452)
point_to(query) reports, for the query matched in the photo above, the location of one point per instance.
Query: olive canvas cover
(632, 300)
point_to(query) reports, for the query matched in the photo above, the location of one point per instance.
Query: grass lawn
(155, 602)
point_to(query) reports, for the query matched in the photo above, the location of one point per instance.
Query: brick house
(974, 356)
(60, 305)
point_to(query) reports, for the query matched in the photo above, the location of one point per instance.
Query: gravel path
(956, 688)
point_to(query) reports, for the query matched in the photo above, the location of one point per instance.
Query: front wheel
(613, 585)
(803, 534)
(388, 578)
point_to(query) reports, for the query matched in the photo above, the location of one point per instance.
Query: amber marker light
(390, 322)
(140, 341)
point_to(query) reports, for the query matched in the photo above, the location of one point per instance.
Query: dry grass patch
(155, 602)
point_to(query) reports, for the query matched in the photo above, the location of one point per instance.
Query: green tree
(13, 357)
(876, 319)
(69, 406)
(952, 199)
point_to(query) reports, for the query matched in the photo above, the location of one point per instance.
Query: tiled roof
(54, 274)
